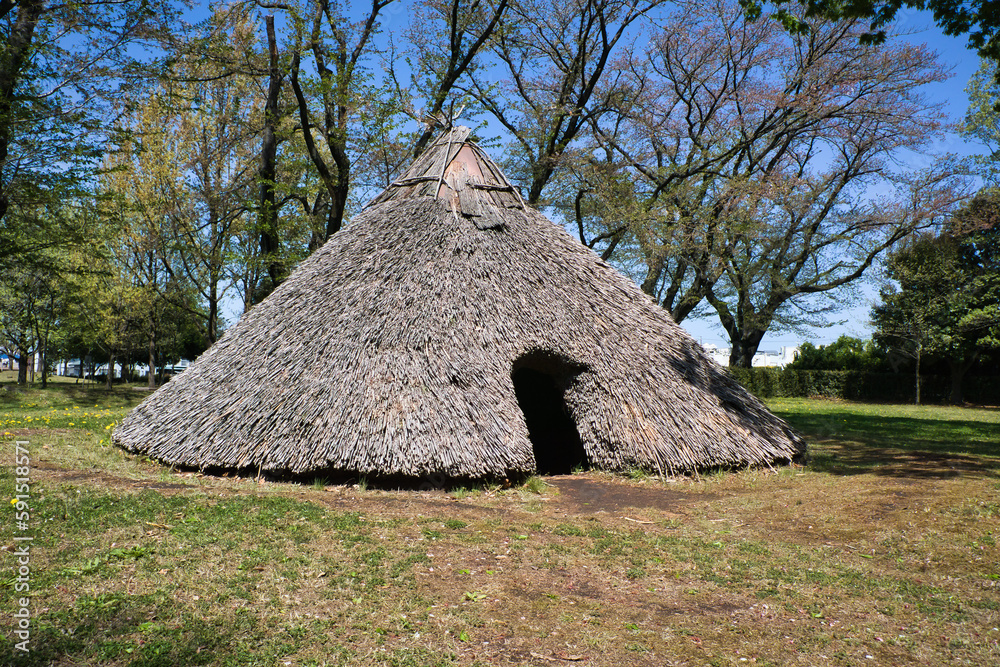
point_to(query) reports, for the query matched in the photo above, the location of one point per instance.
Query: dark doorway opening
(540, 394)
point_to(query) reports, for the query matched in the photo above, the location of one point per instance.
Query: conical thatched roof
(449, 329)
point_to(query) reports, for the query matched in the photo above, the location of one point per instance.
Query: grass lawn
(10, 377)
(880, 551)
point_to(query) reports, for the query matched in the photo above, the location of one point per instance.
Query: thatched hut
(452, 330)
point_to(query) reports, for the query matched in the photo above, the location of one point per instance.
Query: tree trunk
(213, 313)
(43, 353)
(339, 191)
(917, 372)
(745, 344)
(654, 269)
(958, 371)
(111, 370)
(151, 376)
(335, 185)
(745, 338)
(268, 214)
(13, 56)
(127, 366)
(538, 183)
(22, 365)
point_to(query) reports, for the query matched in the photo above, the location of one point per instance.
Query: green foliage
(982, 121)
(61, 64)
(844, 354)
(980, 21)
(923, 312)
(859, 385)
(775, 382)
(978, 227)
(535, 484)
(948, 300)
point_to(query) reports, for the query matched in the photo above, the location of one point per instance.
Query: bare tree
(755, 154)
(447, 37)
(555, 57)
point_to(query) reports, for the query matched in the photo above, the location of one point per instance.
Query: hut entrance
(540, 385)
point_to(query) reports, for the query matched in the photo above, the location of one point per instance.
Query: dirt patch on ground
(98, 478)
(585, 494)
(571, 495)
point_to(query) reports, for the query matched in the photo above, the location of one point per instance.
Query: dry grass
(881, 547)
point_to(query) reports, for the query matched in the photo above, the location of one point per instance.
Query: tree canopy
(61, 66)
(979, 20)
(947, 303)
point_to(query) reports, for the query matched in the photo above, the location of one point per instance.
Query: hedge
(863, 386)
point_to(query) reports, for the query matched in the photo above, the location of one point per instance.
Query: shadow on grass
(848, 443)
(133, 630)
(65, 394)
(838, 458)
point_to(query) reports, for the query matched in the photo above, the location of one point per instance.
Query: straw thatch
(452, 330)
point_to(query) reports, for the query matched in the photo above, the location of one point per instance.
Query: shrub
(860, 385)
